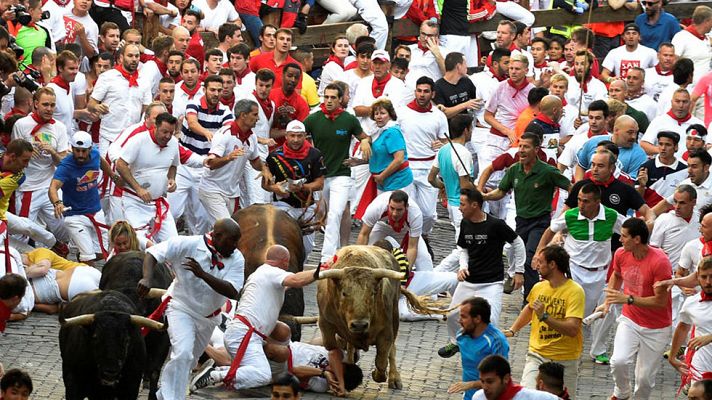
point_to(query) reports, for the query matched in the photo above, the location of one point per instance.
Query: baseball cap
(380, 55)
(296, 126)
(82, 140)
(631, 27)
(696, 130)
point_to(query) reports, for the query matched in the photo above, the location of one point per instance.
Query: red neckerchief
(564, 102)
(680, 121)
(694, 32)
(190, 92)
(377, 87)
(59, 81)
(297, 154)
(332, 115)
(238, 133)
(706, 247)
(565, 394)
(510, 391)
(544, 64)
(590, 134)
(40, 123)
(705, 297)
(15, 111)
(266, 104)
(62, 3)
(585, 82)
(204, 104)
(240, 75)
(545, 119)
(499, 78)
(413, 105)
(229, 103)
(152, 134)
(162, 67)
(422, 48)
(561, 59)
(352, 65)
(660, 71)
(397, 225)
(516, 87)
(132, 77)
(604, 184)
(215, 256)
(5, 314)
(333, 58)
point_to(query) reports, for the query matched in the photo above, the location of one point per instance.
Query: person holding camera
(31, 35)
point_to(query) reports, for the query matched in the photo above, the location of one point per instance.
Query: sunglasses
(649, 3)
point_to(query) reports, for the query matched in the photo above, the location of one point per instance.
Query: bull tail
(423, 305)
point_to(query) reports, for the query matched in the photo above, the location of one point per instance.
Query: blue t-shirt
(629, 160)
(451, 177)
(389, 142)
(654, 35)
(474, 349)
(80, 183)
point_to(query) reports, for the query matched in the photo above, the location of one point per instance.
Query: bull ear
(387, 273)
(80, 320)
(143, 322)
(331, 274)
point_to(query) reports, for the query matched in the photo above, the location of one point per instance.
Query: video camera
(23, 16)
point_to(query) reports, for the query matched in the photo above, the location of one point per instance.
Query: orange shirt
(523, 121)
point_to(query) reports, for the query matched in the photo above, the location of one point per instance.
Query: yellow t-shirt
(566, 301)
(309, 92)
(56, 261)
(8, 183)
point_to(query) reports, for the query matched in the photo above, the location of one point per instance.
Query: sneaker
(508, 286)
(602, 359)
(203, 378)
(448, 350)
(61, 249)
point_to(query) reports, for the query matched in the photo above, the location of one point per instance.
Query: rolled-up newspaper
(589, 320)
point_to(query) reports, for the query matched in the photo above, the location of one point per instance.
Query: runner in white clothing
(148, 166)
(208, 269)
(497, 383)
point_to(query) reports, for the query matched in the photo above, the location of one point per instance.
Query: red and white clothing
(619, 60)
(244, 82)
(223, 12)
(54, 23)
(669, 122)
(125, 6)
(656, 81)
(703, 88)
(191, 310)
(125, 100)
(183, 96)
(691, 44)
(697, 312)
(354, 81)
(219, 190)
(251, 187)
(64, 111)
(423, 63)
(149, 164)
(644, 104)
(91, 29)
(152, 71)
(594, 89)
(368, 91)
(333, 70)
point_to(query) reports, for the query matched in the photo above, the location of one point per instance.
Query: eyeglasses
(649, 3)
(423, 34)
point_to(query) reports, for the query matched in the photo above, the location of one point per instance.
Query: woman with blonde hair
(123, 238)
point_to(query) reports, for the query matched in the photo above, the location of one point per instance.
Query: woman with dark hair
(333, 69)
(389, 158)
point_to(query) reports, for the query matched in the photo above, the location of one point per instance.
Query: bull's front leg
(382, 355)
(394, 379)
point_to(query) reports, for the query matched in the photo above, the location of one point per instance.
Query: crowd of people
(572, 160)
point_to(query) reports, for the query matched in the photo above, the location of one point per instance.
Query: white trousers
(371, 12)
(495, 146)
(360, 175)
(467, 45)
(644, 346)
(492, 292)
(217, 205)
(26, 227)
(296, 213)
(189, 336)
(426, 283)
(35, 206)
(426, 197)
(452, 261)
(531, 370)
(601, 328)
(254, 370)
(514, 11)
(251, 189)
(423, 262)
(113, 207)
(185, 202)
(83, 235)
(339, 10)
(336, 195)
(592, 284)
(142, 215)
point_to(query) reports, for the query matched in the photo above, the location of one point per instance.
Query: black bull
(262, 226)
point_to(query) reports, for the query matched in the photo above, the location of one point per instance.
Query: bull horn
(301, 320)
(146, 323)
(155, 293)
(388, 273)
(331, 274)
(84, 319)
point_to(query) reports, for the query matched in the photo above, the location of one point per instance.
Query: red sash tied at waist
(370, 192)
(160, 311)
(161, 214)
(230, 377)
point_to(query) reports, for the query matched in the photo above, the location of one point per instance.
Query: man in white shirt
(209, 269)
(427, 58)
(659, 77)
(231, 148)
(593, 89)
(148, 167)
(229, 35)
(632, 54)
(677, 119)
(496, 380)
(636, 96)
(49, 137)
(55, 23)
(238, 59)
(698, 169)
(61, 84)
(189, 89)
(118, 97)
(80, 27)
(693, 43)
(216, 13)
(156, 68)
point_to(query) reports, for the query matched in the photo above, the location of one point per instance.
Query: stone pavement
(32, 345)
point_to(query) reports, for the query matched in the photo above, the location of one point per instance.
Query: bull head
(377, 274)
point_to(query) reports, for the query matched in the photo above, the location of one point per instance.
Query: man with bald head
(208, 270)
(546, 124)
(617, 90)
(181, 38)
(255, 318)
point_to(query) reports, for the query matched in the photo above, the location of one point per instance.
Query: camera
(28, 79)
(23, 16)
(19, 51)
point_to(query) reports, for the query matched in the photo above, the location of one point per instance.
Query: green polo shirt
(533, 192)
(30, 38)
(333, 139)
(639, 117)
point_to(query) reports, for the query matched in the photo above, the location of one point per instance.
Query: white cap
(380, 55)
(82, 140)
(296, 126)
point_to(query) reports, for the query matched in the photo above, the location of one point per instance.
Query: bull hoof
(379, 376)
(395, 384)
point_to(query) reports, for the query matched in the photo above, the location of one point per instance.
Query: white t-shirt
(620, 60)
(214, 17)
(354, 81)
(486, 84)
(55, 23)
(423, 64)
(645, 104)
(40, 170)
(664, 122)
(395, 91)
(150, 76)
(64, 111)
(379, 206)
(329, 73)
(699, 51)
(149, 163)
(246, 86)
(704, 192)
(420, 130)
(114, 152)
(524, 394)
(262, 297)
(671, 233)
(225, 180)
(699, 313)
(263, 126)
(656, 83)
(190, 293)
(181, 100)
(690, 255)
(90, 27)
(566, 123)
(596, 91)
(125, 103)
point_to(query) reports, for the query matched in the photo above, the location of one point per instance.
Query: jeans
(253, 23)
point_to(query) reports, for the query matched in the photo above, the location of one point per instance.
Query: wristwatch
(630, 299)
(544, 316)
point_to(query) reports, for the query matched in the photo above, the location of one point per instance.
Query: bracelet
(57, 202)
(511, 331)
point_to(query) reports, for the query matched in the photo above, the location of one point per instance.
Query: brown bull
(263, 225)
(358, 301)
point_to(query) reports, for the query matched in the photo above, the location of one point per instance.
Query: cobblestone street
(32, 345)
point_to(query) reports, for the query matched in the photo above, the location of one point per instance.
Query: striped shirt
(211, 120)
